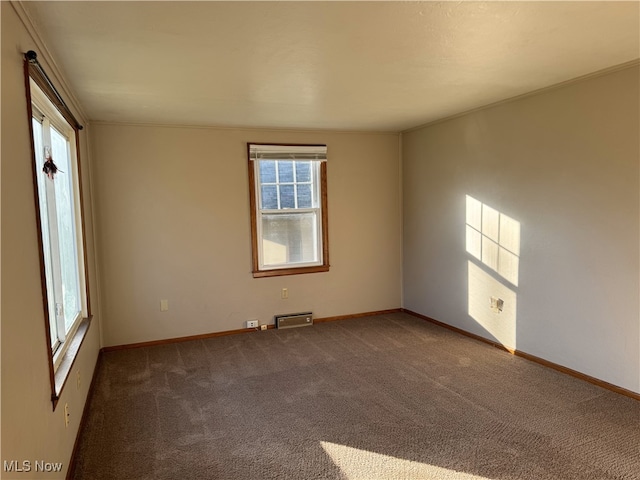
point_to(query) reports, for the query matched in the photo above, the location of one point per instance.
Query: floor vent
(294, 320)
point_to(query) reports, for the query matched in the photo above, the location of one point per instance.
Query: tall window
(288, 209)
(57, 186)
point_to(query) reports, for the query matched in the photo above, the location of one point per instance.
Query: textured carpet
(385, 397)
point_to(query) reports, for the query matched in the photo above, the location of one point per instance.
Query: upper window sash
(294, 189)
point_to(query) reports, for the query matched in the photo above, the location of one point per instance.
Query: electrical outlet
(164, 305)
(66, 414)
(252, 323)
(497, 304)
(263, 327)
(285, 293)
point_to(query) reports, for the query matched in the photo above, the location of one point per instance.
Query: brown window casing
(253, 204)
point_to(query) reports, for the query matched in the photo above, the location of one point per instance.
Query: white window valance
(287, 152)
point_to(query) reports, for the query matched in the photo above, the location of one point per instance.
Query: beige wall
(30, 430)
(565, 165)
(173, 223)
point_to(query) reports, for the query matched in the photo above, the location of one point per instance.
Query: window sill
(64, 369)
(290, 271)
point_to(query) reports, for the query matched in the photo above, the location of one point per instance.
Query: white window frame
(48, 115)
(315, 209)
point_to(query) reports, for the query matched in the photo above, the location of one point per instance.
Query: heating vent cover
(293, 320)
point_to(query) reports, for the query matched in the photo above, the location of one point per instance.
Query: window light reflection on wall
(493, 238)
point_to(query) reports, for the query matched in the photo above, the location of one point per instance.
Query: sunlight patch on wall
(357, 464)
(501, 323)
(494, 239)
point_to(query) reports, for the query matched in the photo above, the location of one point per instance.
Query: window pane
(44, 224)
(66, 228)
(289, 238)
(304, 196)
(287, 196)
(285, 171)
(269, 197)
(303, 171)
(267, 171)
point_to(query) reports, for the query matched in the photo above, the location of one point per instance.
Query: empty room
(320, 240)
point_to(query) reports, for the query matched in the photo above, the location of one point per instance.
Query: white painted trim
(316, 182)
(539, 91)
(244, 128)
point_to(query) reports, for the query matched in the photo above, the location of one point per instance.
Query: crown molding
(539, 91)
(45, 56)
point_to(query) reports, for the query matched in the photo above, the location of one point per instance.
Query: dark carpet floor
(385, 397)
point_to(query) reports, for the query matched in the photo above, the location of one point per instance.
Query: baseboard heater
(294, 320)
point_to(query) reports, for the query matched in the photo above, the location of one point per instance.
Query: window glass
(269, 197)
(44, 225)
(66, 228)
(285, 171)
(304, 196)
(287, 196)
(268, 171)
(289, 238)
(303, 171)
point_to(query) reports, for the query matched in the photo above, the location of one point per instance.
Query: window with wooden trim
(56, 168)
(288, 199)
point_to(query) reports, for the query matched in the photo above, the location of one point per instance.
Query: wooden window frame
(58, 375)
(254, 211)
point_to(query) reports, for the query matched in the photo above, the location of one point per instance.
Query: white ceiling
(384, 66)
